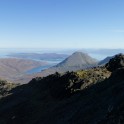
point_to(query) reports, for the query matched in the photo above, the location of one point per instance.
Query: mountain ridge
(90, 96)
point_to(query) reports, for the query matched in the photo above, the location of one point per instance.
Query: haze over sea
(98, 54)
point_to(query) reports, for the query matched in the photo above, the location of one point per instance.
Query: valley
(12, 68)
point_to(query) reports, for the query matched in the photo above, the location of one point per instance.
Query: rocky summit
(91, 96)
(116, 62)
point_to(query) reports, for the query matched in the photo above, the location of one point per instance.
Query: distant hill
(76, 61)
(13, 68)
(91, 96)
(106, 60)
(44, 56)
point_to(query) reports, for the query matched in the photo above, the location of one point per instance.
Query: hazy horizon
(95, 53)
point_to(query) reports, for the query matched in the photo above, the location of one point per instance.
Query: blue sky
(62, 23)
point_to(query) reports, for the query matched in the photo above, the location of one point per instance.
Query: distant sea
(98, 54)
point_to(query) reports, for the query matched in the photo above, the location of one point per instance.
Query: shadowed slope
(92, 96)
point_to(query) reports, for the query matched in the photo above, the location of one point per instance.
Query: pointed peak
(79, 52)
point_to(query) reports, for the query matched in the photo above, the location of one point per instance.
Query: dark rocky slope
(93, 96)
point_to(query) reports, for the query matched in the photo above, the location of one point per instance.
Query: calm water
(39, 69)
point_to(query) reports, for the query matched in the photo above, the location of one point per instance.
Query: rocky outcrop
(115, 63)
(92, 96)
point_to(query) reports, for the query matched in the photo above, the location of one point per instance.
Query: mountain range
(90, 96)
